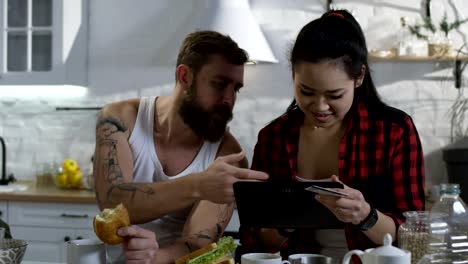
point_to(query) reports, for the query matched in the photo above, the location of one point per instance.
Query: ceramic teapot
(386, 254)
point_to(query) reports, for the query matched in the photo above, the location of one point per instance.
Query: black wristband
(369, 221)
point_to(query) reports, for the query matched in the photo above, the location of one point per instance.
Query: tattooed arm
(113, 170)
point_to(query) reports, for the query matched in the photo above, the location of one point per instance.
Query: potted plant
(437, 35)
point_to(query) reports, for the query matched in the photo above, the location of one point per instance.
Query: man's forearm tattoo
(132, 188)
(193, 241)
(214, 233)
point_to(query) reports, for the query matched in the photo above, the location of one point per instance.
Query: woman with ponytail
(338, 129)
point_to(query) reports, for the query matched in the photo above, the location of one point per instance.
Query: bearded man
(170, 159)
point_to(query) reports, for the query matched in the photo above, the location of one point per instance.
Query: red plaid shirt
(380, 155)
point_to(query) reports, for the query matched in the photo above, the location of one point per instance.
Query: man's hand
(140, 245)
(215, 183)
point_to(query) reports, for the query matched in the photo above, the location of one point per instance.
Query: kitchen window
(29, 34)
(43, 41)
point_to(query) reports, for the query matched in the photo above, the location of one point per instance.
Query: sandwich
(214, 253)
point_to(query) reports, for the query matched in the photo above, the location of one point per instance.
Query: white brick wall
(133, 56)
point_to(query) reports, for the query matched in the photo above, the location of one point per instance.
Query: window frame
(57, 73)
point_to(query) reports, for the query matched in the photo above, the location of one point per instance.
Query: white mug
(262, 258)
(86, 251)
(309, 259)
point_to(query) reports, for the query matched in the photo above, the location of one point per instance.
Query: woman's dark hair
(336, 35)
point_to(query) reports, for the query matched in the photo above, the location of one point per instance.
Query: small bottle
(413, 234)
(448, 222)
(405, 39)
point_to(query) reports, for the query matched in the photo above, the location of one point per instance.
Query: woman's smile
(322, 117)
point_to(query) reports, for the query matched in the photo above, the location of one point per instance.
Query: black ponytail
(337, 36)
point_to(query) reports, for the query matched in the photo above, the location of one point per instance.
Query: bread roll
(109, 221)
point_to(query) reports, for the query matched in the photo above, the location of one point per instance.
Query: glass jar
(45, 174)
(413, 234)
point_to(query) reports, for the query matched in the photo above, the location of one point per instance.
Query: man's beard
(207, 124)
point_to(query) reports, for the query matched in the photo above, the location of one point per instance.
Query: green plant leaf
(444, 26)
(429, 25)
(457, 24)
(416, 30)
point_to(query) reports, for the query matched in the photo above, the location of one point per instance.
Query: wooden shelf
(457, 62)
(375, 58)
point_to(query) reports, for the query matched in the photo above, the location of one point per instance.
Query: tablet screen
(284, 205)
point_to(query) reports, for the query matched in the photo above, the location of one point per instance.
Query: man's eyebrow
(227, 79)
(223, 78)
(329, 91)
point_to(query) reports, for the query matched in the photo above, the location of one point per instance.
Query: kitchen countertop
(35, 193)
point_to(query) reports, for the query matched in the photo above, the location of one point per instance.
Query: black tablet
(283, 205)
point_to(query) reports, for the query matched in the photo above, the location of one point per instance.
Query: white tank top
(147, 168)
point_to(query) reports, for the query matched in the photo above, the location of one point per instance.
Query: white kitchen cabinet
(47, 227)
(3, 211)
(44, 244)
(43, 42)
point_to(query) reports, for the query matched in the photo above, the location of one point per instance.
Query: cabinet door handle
(79, 237)
(66, 239)
(74, 216)
(1, 213)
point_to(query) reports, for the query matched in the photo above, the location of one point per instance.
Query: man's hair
(197, 48)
